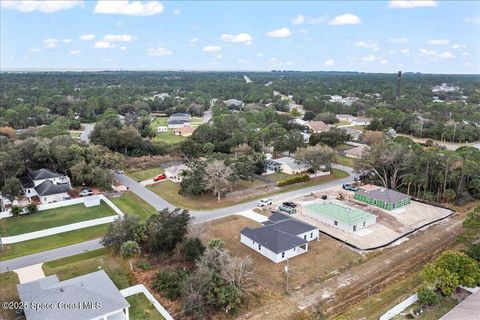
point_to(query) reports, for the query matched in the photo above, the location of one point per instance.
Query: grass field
(144, 174)
(75, 134)
(8, 293)
(345, 161)
(446, 304)
(159, 121)
(168, 137)
(88, 262)
(142, 309)
(53, 218)
(130, 203)
(169, 191)
(24, 248)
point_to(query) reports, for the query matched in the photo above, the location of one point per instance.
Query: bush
(144, 265)
(427, 297)
(169, 282)
(31, 208)
(192, 249)
(16, 210)
(292, 180)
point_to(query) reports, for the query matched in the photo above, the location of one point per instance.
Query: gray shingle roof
(279, 233)
(47, 188)
(385, 195)
(27, 182)
(43, 174)
(93, 287)
(176, 121)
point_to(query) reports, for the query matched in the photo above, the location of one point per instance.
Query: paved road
(159, 204)
(86, 133)
(49, 255)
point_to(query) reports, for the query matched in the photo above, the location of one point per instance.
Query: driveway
(86, 133)
(30, 273)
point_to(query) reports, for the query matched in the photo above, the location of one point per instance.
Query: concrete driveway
(86, 133)
(30, 273)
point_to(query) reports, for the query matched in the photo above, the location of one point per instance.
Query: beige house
(356, 152)
(184, 131)
(317, 126)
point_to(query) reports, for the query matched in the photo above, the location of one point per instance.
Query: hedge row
(292, 180)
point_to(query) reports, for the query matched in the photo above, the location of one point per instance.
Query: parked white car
(86, 192)
(264, 202)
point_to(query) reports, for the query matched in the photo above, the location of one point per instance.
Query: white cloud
(445, 55)
(237, 38)
(408, 4)
(279, 33)
(427, 52)
(50, 43)
(177, 12)
(103, 45)
(125, 7)
(212, 48)
(219, 56)
(87, 37)
(74, 52)
(42, 6)
(438, 42)
(67, 40)
(458, 46)
(329, 62)
(370, 58)
(123, 48)
(367, 45)
(472, 20)
(159, 52)
(398, 40)
(384, 61)
(405, 51)
(242, 60)
(301, 19)
(193, 40)
(34, 50)
(260, 54)
(346, 18)
(118, 38)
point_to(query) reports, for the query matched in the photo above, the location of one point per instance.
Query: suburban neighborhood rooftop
(385, 195)
(342, 214)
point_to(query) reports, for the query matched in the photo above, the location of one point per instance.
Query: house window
(335, 223)
(295, 249)
(311, 235)
(305, 237)
(283, 254)
(364, 223)
(259, 247)
(374, 201)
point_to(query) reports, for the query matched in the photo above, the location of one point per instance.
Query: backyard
(169, 191)
(8, 293)
(53, 218)
(142, 309)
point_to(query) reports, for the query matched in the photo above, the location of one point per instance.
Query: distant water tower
(397, 91)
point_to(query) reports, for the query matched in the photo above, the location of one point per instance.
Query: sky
(368, 36)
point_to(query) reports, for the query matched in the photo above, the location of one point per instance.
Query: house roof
(180, 115)
(292, 163)
(48, 188)
(336, 212)
(358, 150)
(43, 174)
(93, 287)
(468, 309)
(318, 126)
(184, 130)
(385, 195)
(234, 102)
(27, 182)
(177, 121)
(279, 233)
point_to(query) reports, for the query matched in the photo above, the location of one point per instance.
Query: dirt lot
(323, 258)
(390, 224)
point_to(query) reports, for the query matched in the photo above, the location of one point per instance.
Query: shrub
(16, 210)
(192, 249)
(31, 208)
(427, 297)
(144, 265)
(292, 180)
(169, 282)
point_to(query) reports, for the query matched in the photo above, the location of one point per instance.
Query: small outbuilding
(383, 198)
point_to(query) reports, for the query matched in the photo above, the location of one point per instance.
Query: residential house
(317, 126)
(174, 173)
(383, 198)
(178, 120)
(468, 309)
(47, 185)
(271, 166)
(291, 166)
(90, 297)
(341, 217)
(234, 104)
(356, 152)
(360, 121)
(184, 131)
(345, 117)
(280, 238)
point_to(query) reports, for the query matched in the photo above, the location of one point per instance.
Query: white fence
(399, 307)
(140, 288)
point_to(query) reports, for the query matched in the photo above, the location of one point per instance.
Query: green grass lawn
(53, 218)
(244, 184)
(142, 309)
(144, 174)
(446, 304)
(345, 161)
(8, 292)
(169, 191)
(168, 137)
(130, 203)
(196, 121)
(24, 248)
(88, 262)
(159, 121)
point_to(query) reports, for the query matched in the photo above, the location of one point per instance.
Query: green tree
(129, 250)
(12, 188)
(192, 249)
(316, 157)
(449, 195)
(427, 297)
(166, 229)
(193, 183)
(31, 208)
(16, 210)
(169, 282)
(120, 231)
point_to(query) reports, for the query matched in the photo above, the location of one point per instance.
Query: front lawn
(168, 137)
(24, 248)
(53, 218)
(130, 203)
(8, 293)
(142, 309)
(80, 264)
(158, 121)
(345, 161)
(169, 191)
(144, 174)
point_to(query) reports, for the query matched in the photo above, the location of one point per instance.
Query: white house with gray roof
(49, 186)
(89, 297)
(280, 238)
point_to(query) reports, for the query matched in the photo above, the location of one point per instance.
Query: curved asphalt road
(159, 204)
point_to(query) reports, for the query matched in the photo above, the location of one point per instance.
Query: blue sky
(370, 36)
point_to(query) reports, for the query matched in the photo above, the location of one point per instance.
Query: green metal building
(383, 198)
